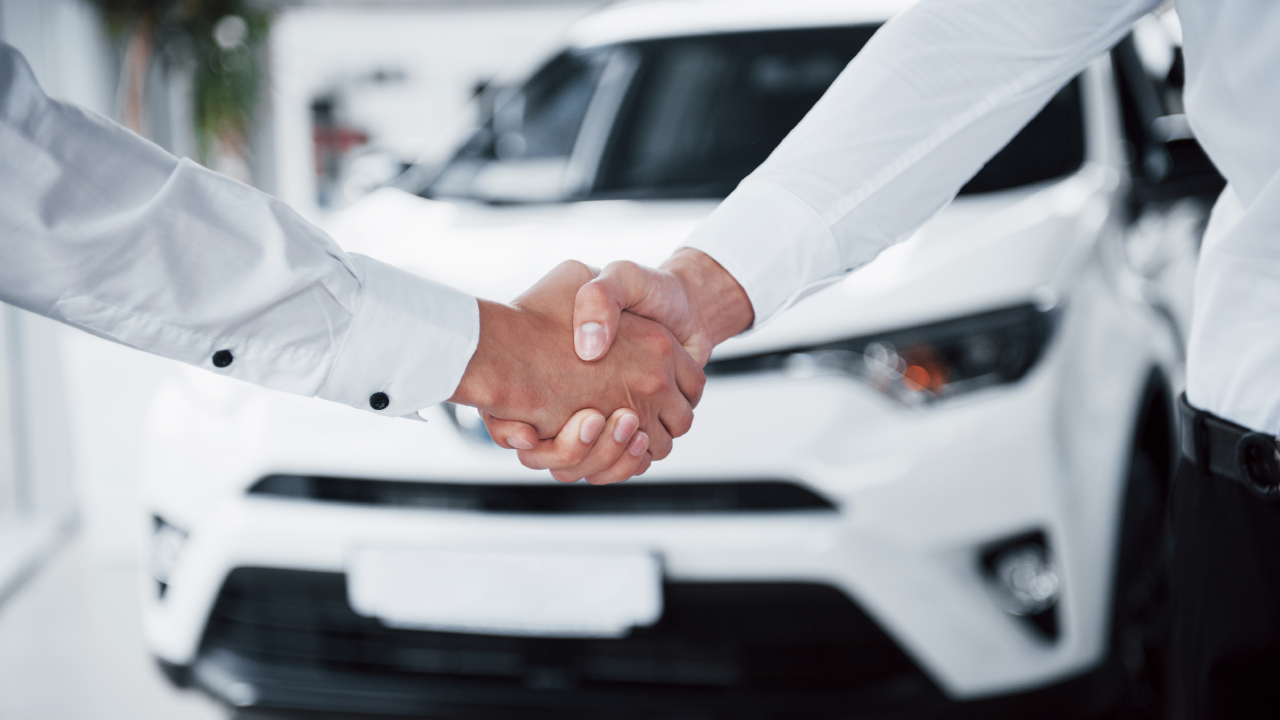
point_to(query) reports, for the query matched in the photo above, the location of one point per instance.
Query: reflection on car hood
(981, 252)
(496, 251)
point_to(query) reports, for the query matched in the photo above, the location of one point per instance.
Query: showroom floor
(71, 647)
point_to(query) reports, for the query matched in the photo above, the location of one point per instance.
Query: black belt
(1220, 447)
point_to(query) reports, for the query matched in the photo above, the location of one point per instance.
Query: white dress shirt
(107, 232)
(942, 87)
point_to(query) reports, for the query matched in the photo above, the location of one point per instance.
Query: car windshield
(690, 117)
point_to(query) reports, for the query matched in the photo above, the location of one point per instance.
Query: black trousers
(1226, 599)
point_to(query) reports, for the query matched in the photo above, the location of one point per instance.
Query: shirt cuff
(408, 345)
(773, 243)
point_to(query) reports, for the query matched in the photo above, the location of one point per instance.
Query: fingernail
(627, 424)
(638, 445)
(519, 443)
(590, 340)
(590, 429)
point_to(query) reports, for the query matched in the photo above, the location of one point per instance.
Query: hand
(691, 295)
(575, 453)
(524, 368)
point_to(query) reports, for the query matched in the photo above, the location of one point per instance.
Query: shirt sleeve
(934, 94)
(107, 232)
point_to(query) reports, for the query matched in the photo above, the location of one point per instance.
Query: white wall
(79, 399)
(63, 42)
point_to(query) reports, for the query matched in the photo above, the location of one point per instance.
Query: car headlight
(924, 363)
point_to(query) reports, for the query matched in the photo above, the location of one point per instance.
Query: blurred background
(333, 99)
(959, 508)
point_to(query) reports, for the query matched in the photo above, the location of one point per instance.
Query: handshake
(591, 374)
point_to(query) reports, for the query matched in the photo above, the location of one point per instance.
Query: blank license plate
(507, 593)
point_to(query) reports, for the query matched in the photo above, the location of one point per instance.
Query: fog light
(1026, 578)
(166, 547)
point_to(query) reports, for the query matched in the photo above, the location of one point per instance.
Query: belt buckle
(1258, 456)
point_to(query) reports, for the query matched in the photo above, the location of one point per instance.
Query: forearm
(103, 230)
(935, 93)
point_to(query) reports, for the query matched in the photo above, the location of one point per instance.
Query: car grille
(553, 498)
(717, 640)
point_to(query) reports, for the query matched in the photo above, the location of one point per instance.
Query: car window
(704, 112)
(697, 115)
(544, 117)
(1141, 103)
(532, 130)
(1050, 146)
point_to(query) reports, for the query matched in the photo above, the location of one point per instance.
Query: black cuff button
(379, 401)
(222, 358)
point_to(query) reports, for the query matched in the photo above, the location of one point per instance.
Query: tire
(1140, 607)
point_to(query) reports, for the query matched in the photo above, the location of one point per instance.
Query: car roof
(650, 19)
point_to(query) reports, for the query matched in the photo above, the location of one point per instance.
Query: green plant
(220, 39)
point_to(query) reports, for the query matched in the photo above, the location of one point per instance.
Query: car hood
(980, 253)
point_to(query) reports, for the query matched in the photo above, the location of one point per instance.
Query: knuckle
(574, 455)
(621, 267)
(659, 344)
(682, 424)
(664, 348)
(573, 265)
(655, 384)
(697, 397)
(594, 294)
(654, 336)
(596, 301)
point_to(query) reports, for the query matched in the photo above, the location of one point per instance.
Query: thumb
(599, 306)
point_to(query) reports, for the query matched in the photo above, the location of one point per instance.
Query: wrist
(720, 304)
(481, 384)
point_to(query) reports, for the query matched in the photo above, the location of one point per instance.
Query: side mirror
(1175, 165)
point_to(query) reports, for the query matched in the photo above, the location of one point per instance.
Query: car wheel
(1140, 609)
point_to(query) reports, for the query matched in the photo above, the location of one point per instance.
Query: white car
(935, 487)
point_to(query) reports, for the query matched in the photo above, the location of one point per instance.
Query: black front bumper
(288, 640)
